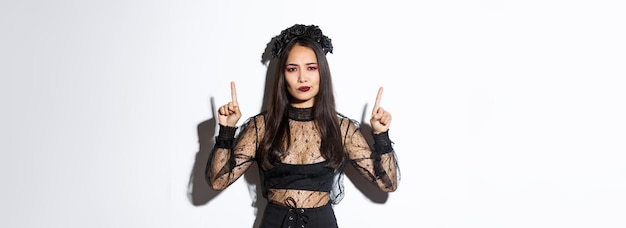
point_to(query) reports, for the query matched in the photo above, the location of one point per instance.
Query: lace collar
(300, 114)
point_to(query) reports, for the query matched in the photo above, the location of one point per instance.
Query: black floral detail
(312, 32)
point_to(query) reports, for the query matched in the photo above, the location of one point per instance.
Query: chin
(298, 101)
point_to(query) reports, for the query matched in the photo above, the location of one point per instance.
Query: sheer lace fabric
(300, 179)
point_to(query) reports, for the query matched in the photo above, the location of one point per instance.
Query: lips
(304, 88)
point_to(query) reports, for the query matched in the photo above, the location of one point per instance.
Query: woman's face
(302, 76)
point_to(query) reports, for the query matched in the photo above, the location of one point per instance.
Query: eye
(312, 68)
(291, 69)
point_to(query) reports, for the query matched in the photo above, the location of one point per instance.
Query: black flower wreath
(312, 32)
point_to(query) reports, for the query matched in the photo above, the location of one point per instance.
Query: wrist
(382, 142)
(226, 132)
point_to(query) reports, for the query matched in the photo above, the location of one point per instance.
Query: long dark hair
(277, 134)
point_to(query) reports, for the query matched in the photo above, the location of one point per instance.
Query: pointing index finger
(378, 98)
(233, 93)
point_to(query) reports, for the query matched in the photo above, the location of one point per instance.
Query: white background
(506, 113)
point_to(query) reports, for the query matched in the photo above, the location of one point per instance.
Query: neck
(300, 114)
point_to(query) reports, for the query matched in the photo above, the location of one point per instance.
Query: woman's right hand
(229, 114)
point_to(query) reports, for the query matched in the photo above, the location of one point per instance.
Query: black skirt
(287, 217)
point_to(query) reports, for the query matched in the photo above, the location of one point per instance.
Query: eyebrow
(306, 64)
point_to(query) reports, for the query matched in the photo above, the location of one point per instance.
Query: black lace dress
(301, 188)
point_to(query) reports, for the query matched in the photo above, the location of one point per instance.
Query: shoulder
(256, 120)
(260, 116)
(345, 121)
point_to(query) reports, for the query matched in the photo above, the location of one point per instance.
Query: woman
(301, 143)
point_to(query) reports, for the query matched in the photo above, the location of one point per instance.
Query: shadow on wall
(198, 190)
(200, 193)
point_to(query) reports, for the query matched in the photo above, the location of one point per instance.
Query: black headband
(312, 32)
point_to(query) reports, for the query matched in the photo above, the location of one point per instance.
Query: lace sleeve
(377, 163)
(231, 156)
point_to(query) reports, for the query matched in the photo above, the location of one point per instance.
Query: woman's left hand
(381, 119)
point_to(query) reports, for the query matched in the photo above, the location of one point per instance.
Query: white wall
(506, 113)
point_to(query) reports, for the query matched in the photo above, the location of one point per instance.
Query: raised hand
(381, 119)
(229, 114)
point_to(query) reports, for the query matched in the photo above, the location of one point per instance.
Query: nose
(301, 77)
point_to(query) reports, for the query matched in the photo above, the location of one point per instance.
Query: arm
(231, 156)
(378, 165)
